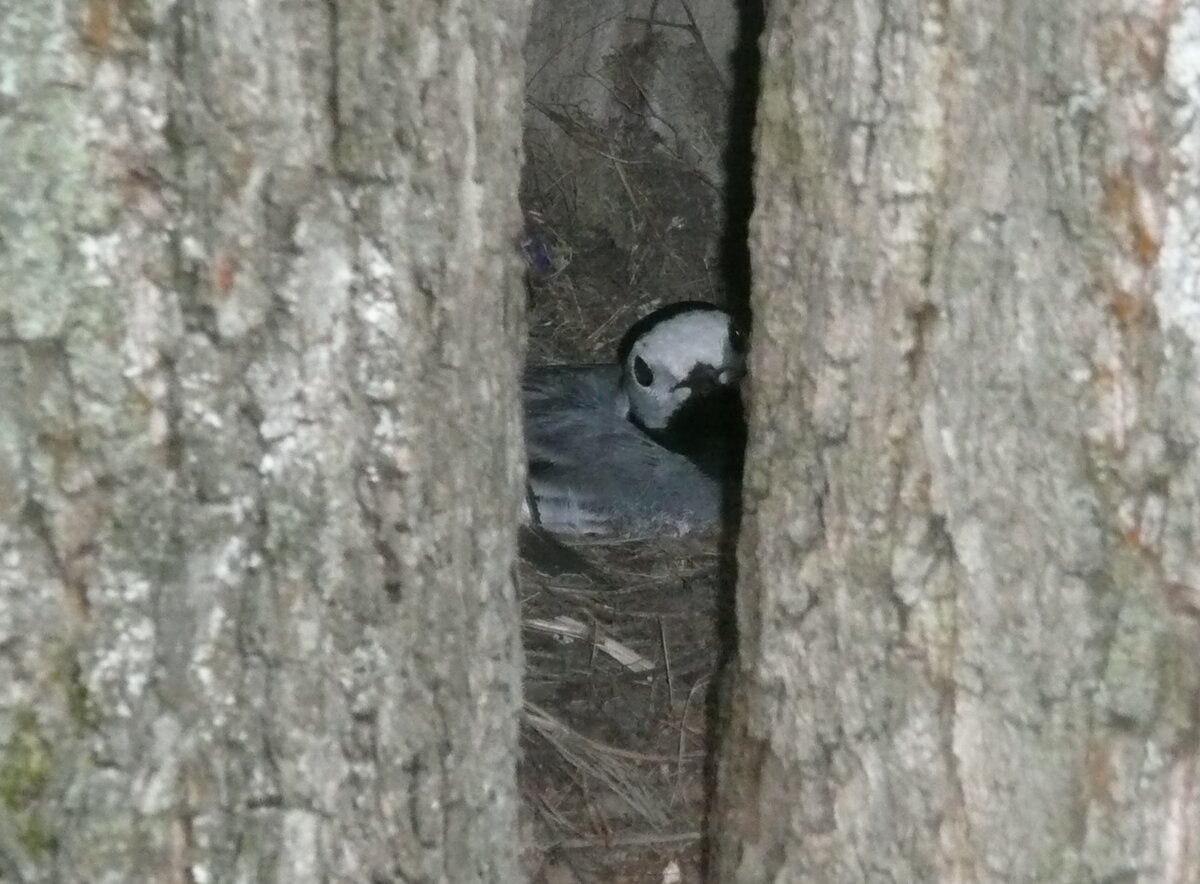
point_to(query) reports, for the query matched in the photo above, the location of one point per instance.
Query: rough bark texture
(259, 440)
(970, 600)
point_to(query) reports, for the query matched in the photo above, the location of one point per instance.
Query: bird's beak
(701, 380)
(731, 377)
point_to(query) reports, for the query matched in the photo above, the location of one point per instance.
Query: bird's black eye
(642, 372)
(737, 340)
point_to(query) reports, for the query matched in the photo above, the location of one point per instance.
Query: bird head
(678, 356)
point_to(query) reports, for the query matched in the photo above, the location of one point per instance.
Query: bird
(648, 445)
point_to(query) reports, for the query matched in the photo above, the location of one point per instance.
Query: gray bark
(259, 440)
(970, 566)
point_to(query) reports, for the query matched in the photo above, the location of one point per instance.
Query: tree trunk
(970, 595)
(259, 440)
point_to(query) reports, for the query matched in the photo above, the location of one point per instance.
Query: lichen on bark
(260, 452)
(969, 643)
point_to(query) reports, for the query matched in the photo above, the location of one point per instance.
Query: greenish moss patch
(25, 764)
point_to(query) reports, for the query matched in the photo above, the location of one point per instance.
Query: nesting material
(619, 664)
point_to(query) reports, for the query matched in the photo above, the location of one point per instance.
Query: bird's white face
(688, 354)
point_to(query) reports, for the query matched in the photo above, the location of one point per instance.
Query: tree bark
(259, 440)
(970, 565)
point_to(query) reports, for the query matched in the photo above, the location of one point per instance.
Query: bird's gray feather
(592, 471)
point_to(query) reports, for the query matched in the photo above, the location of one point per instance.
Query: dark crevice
(746, 63)
(738, 159)
(334, 99)
(736, 273)
(735, 262)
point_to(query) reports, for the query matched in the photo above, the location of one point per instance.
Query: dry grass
(616, 721)
(645, 234)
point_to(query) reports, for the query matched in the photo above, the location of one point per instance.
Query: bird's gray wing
(564, 404)
(571, 418)
(592, 471)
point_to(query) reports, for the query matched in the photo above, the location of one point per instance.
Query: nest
(622, 649)
(620, 661)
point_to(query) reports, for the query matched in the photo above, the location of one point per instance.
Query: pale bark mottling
(970, 601)
(260, 331)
